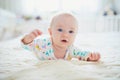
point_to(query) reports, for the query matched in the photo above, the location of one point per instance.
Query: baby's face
(63, 31)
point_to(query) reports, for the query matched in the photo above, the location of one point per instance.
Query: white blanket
(19, 64)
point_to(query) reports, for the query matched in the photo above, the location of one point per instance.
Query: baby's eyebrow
(72, 28)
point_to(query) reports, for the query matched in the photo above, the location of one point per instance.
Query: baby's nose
(65, 34)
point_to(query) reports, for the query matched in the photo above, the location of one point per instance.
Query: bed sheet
(19, 64)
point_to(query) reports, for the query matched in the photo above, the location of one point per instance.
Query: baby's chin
(64, 45)
(61, 45)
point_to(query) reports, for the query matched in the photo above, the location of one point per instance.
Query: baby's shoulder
(43, 39)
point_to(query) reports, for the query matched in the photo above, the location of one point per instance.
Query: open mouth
(64, 40)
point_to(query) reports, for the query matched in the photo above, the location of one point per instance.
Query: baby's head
(63, 29)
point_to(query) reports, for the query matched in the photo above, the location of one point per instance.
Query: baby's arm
(85, 55)
(90, 56)
(31, 36)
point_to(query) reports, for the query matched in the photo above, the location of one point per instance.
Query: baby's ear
(49, 30)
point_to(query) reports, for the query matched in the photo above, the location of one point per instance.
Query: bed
(19, 64)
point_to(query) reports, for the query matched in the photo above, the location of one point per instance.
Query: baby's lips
(64, 40)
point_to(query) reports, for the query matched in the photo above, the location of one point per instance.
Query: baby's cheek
(71, 40)
(56, 34)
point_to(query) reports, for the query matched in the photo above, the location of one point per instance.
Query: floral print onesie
(42, 47)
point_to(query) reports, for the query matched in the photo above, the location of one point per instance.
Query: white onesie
(42, 47)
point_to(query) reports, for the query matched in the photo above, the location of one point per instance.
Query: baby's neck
(59, 52)
(59, 48)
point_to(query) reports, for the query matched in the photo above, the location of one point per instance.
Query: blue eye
(71, 31)
(60, 30)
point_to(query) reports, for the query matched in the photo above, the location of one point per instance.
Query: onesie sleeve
(31, 46)
(39, 44)
(78, 53)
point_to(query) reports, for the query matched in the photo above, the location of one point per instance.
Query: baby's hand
(31, 36)
(93, 57)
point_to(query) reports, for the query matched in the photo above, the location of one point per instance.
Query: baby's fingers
(98, 56)
(90, 58)
(39, 32)
(93, 57)
(36, 33)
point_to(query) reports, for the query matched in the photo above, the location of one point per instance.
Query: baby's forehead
(67, 19)
(64, 16)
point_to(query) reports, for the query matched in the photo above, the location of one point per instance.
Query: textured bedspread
(19, 64)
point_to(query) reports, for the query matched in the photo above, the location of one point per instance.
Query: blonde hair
(61, 15)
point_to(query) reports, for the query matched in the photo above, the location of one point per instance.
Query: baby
(59, 45)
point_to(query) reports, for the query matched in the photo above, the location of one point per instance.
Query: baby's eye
(60, 30)
(71, 31)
